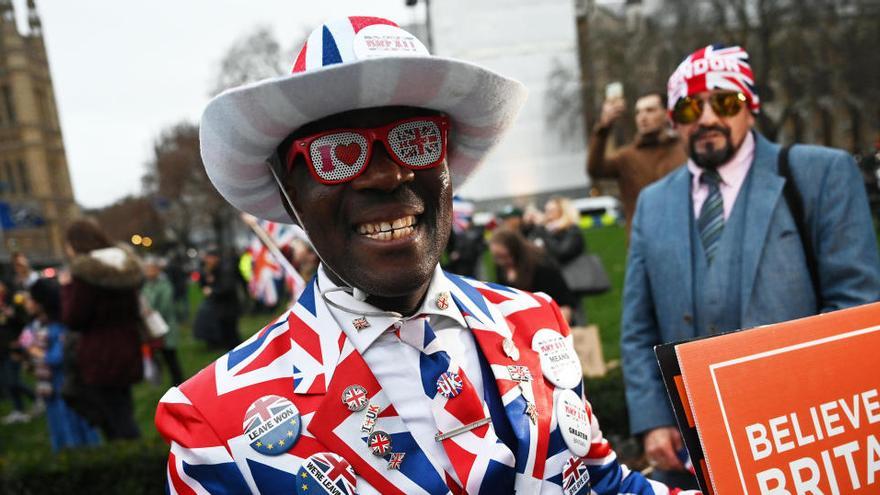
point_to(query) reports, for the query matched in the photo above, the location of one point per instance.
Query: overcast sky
(124, 70)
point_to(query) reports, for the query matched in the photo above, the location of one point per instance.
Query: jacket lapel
(490, 328)
(764, 192)
(678, 228)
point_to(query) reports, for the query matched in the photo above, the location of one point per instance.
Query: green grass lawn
(604, 310)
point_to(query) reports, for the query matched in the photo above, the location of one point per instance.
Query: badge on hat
(272, 425)
(355, 397)
(575, 477)
(382, 40)
(326, 473)
(559, 362)
(574, 422)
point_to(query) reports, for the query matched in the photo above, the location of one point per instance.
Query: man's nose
(708, 117)
(382, 173)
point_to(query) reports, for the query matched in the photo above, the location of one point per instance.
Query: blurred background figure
(24, 274)
(304, 258)
(466, 245)
(12, 320)
(655, 151)
(216, 321)
(561, 237)
(67, 429)
(175, 271)
(521, 264)
(99, 302)
(159, 295)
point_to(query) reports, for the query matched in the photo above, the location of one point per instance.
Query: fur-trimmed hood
(114, 267)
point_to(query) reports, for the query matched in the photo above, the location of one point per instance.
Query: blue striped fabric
(711, 221)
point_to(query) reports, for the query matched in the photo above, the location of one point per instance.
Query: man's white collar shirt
(394, 363)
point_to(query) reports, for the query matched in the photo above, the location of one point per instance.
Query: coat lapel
(490, 328)
(764, 192)
(677, 227)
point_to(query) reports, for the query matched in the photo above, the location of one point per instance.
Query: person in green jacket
(159, 293)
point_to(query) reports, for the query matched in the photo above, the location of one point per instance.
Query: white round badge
(574, 422)
(559, 362)
(383, 40)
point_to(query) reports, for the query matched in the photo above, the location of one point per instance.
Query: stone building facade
(36, 197)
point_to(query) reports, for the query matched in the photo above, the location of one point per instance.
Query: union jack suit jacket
(304, 357)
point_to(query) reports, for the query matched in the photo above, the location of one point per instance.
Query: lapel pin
(462, 429)
(395, 460)
(532, 412)
(370, 416)
(272, 425)
(510, 349)
(519, 373)
(442, 301)
(326, 473)
(449, 384)
(360, 323)
(559, 363)
(355, 398)
(575, 477)
(379, 443)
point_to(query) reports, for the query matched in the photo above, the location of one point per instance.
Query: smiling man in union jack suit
(388, 375)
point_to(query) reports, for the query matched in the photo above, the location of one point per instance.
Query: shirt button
(688, 318)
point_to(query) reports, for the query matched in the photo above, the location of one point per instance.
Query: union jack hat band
(349, 64)
(714, 67)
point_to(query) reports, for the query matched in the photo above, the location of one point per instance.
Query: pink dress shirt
(733, 174)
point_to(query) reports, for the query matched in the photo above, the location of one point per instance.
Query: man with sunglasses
(716, 246)
(388, 375)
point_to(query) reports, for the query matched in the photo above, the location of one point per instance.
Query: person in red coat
(100, 305)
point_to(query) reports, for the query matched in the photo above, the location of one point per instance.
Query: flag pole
(267, 241)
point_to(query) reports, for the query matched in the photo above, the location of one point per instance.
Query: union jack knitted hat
(714, 67)
(350, 64)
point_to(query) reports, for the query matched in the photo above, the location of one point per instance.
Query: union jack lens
(341, 155)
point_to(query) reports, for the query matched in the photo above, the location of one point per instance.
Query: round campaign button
(449, 384)
(383, 40)
(272, 425)
(574, 422)
(575, 477)
(325, 473)
(559, 362)
(355, 398)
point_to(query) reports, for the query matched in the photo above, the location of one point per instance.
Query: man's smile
(388, 230)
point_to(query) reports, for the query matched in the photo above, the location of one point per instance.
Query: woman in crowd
(521, 264)
(159, 295)
(66, 428)
(100, 304)
(560, 235)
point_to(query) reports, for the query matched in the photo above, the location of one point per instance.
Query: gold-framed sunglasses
(688, 110)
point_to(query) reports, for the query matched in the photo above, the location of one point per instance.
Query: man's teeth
(386, 231)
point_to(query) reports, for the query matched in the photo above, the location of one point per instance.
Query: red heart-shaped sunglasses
(340, 155)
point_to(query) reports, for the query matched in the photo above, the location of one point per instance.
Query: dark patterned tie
(711, 221)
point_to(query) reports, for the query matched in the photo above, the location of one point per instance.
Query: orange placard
(792, 408)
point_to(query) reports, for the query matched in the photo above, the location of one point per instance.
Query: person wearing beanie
(388, 375)
(746, 233)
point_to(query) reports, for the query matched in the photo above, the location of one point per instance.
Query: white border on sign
(760, 355)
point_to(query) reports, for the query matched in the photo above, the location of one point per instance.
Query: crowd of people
(726, 230)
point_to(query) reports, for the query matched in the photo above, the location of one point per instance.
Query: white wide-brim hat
(350, 64)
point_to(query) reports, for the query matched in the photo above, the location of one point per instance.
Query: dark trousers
(111, 409)
(11, 384)
(170, 358)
